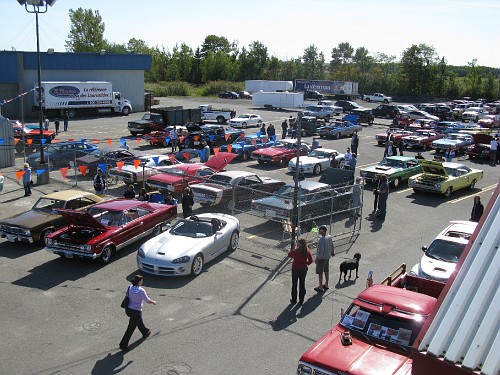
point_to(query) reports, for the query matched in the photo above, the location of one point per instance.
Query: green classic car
(444, 178)
(42, 219)
(396, 168)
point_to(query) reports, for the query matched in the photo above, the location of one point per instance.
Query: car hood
(81, 219)
(140, 122)
(206, 186)
(433, 167)
(382, 169)
(271, 151)
(337, 176)
(219, 161)
(167, 246)
(30, 219)
(482, 138)
(356, 359)
(437, 269)
(308, 160)
(88, 159)
(450, 142)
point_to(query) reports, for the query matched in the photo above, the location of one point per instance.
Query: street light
(38, 6)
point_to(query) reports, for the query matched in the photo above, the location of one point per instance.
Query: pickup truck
(159, 118)
(376, 333)
(377, 97)
(208, 113)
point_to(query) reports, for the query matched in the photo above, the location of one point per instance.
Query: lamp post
(36, 7)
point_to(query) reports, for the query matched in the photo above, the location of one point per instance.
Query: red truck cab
(375, 334)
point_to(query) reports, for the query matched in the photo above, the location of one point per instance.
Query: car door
(137, 224)
(462, 180)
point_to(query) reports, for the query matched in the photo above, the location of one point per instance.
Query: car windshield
(191, 228)
(46, 204)
(174, 171)
(286, 145)
(244, 116)
(107, 217)
(320, 154)
(219, 179)
(391, 163)
(382, 326)
(445, 250)
(285, 190)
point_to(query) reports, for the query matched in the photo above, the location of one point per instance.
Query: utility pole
(295, 208)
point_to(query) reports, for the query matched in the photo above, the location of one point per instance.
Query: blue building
(18, 74)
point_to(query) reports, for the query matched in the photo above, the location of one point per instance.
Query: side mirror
(424, 248)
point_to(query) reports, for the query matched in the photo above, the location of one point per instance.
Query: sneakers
(317, 289)
(293, 302)
(124, 348)
(147, 334)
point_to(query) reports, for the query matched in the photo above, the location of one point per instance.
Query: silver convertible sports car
(190, 243)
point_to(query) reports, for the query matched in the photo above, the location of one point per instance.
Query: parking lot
(64, 316)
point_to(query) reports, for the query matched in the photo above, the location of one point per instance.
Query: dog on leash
(350, 265)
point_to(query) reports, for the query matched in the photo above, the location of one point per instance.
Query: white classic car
(190, 243)
(148, 166)
(317, 161)
(474, 114)
(246, 120)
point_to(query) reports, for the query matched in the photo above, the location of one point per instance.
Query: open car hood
(433, 167)
(337, 176)
(482, 138)
(81, 218)
(219, 161)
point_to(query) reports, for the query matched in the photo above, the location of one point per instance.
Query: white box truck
(268, 86)
(271, 100)
(81, 97)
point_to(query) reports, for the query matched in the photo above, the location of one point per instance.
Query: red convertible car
(177, 177)
(107, 227)
(395, 136)
(421, 138)
(281, 153)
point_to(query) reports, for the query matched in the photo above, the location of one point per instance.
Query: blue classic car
(457, 141)
(244, 147)
(339, 129)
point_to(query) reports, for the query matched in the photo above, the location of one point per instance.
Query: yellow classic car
(444, 178)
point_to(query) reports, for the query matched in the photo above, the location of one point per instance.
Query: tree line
(419, 72)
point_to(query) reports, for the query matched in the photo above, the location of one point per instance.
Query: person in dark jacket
(284, 128)
(129, 193)
(302, 258)
(271, 131)
(354, 143)
(187, 202)
(477, 209)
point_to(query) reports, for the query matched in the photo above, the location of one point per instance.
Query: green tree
(473, 79)
(115, 47)
(86, 32)
(138, 46)
(489, 87)
(214, 43)
(417, 68)
(253, 62)
(340, 67)
(363, 64)
(313, 63)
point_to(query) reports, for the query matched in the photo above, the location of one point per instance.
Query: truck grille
(65, 246)
(12, 230)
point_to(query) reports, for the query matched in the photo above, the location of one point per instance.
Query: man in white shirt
(347, 159)
(173, 138)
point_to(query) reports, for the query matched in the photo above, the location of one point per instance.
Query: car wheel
(476, 119)
(126, 111)
(322, 136)
(388, 116)
(205, 204)
(157, 229)
(244, 156)
(327, 118)
(134, 134)
(233, 242)
(424, 146)
(472, 185)
(386, 101)
(221, 119)
(43, 236)
(396, 182)
(283, 162)
(71, 113)
(317, 169)
(448, 192)
(146, 131)
(260, 161)
(244, 125)
(197, 265)
(337, 136)
(106, 255)
(165, 143)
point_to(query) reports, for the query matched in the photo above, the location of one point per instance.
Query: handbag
(125, 301)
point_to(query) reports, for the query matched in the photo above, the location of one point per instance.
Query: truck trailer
(338, 89)
(81, 98)
(271, 100)
(268, 86)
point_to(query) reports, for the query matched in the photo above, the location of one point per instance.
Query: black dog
(349, 265)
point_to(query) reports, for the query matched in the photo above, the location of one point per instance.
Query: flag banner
(19, 174)
(120, 165)
(64, 171)
(40, 171)
(102, 167)
(156, 159)
(83, 169)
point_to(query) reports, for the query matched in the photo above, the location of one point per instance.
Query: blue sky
(459, 30)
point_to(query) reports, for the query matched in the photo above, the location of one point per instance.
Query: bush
(163, 89)
(215, 87)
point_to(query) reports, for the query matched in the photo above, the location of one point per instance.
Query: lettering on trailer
(333, 87)
(64, 91)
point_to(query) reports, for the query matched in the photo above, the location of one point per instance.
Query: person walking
(46, 123)
(325, 251)
(206, 148)
(401, 146)
(356, 199)
(99, 182)
(174, 138)
(493, 150)
(271, 132)
(293, 126)
(66, 120)
(136, 296)
(56, 124)
(354, 143)
(376, 181)
(302, 258)
(383, 194)
(477, 210)
(130, 192)
(347, 158)
(27, 180)
(262, 129)
(353, 162)
(284, 129)
(187, 202)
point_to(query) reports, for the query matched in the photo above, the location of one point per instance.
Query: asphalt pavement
(64, 316)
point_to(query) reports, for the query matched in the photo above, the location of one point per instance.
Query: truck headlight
(437, 186)
(49, 241)
(27, 232)
(304, 370)
(183, 259)
(85, 248)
